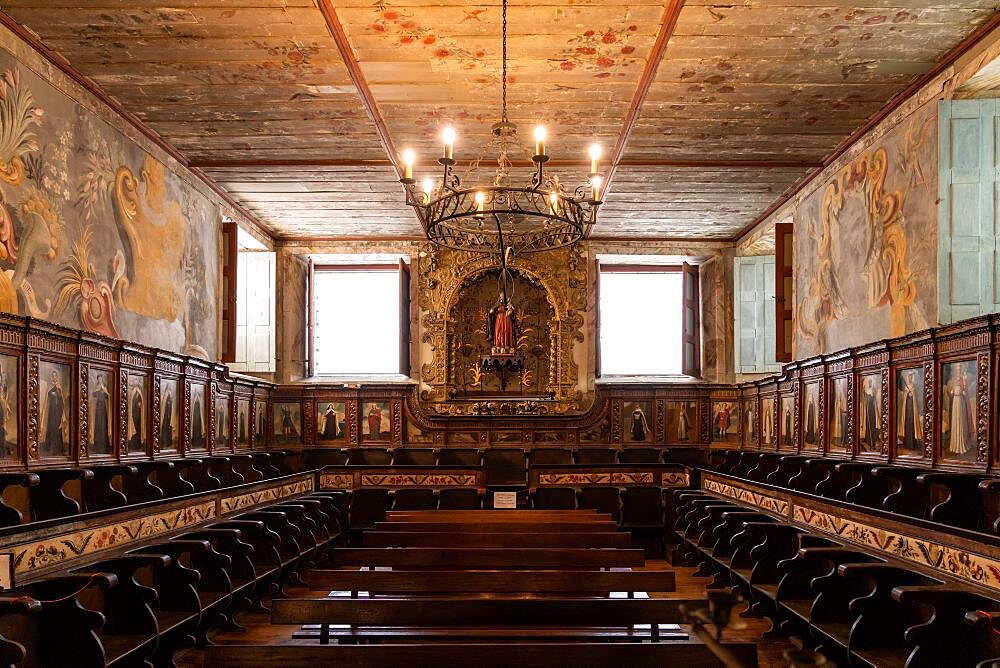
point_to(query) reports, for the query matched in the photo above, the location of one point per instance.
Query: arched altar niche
(468, 341)
(456, 289)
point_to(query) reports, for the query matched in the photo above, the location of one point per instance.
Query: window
(755, 313)
(648, 320)
(253, 294)
(360, 319)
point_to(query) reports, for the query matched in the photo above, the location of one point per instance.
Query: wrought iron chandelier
(537, 216)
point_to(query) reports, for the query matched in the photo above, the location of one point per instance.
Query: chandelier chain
(504, 60)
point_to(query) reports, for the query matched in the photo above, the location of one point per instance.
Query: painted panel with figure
(725, 421)
(786, 423)
(170, 413)
(768, 433)
(910, 412)
(959, 390)
(287, 422)
(95, 232)
(840, 435)
(810, 416)
(870, 428)
(681, 421)
(56, 407)
(9, 420)
(99, 439)
(750, 425)
(138, 411)
(260, 420)
(637, 416)
(243, 422)
(376, 421)
(331, 421)
(868, 232)
(222, 417)
(198, 417)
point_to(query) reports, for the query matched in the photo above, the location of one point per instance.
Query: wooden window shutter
(691, 323)
(311, 321)
(404, 318)
(783, 295)
(597, 318)
(229, 287)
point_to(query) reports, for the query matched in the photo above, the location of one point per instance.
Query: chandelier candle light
(536, 216)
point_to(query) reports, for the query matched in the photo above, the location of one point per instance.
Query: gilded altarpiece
(455, 293)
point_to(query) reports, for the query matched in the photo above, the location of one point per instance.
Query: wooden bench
(488, 557)
(502, 539)
(490, 526)
(557, 655)
(597, 583)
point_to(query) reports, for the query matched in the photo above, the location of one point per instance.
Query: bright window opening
(641, 323)
(356, 326)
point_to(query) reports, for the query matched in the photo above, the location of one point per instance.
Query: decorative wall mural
(959, 392)
(100, 441)
(198, 417)
(910, 411)
(138, 410)
(883, 204)
(870, 429)
(331, 421)
(375, 422)
(94, 232)
(287, 422)
(9, 427)
(57, 409)
(725, 421)
(169, 414)
(840, 434)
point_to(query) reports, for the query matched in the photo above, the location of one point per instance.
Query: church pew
(598, 583)
(100, 493)
(141, 486)
(48, 499)
(511, 558)
(491, 525)
(499, 655)
(14, 609)
(10, 515)
(584, 515)
(539, 538)
(959, 499)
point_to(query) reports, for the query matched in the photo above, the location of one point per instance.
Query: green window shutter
(968, 225)
(754, 314)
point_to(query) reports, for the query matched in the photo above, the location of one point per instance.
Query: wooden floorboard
(259, 629)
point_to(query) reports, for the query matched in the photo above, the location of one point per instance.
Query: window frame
(402, 268)
(690, 274)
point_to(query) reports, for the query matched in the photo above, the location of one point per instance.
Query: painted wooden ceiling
(712, 110)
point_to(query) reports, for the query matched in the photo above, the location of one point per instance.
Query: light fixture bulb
(448, 135)
(595, 151)
(408, 157)
(596, 181)
(480, 198)
(428, 186)
(540, 133)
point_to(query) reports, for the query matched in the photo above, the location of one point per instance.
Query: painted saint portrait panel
(287, 422)
(768, 433)
(376, 421)
(99, 400)
(840, 438)
(725, 421)
(910, 411)
(959, 389)
(331, 421)
(260, 415)
(637, 418)
(810, 415)
(243, 422)
(750, 426)
(56, 407)
(9, 427)
(870, 413)
(222, 421)
(138, 410)
(198, 416)
(786, 423)
(680, 421)
(169, 413)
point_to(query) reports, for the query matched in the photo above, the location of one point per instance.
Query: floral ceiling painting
(94, 232)
(862, 240)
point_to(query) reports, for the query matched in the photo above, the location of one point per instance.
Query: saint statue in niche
(501, 327)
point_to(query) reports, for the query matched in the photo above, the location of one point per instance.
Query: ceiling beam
(32, 40)
(666, 30)
(335, 162)
(336, 29)
(963, 47)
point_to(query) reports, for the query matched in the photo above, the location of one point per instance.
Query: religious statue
(501, 327)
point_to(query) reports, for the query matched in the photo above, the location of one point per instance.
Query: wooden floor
(259, 630)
